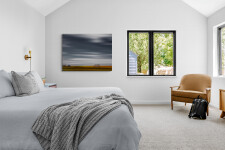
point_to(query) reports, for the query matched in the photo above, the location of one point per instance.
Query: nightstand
(50, 85)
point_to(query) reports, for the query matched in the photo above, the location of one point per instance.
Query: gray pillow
(36, 76)
(24, 84)
(6, 88)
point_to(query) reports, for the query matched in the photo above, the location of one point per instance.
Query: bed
(116, 131)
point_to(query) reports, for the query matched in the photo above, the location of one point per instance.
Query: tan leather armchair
(192, 86)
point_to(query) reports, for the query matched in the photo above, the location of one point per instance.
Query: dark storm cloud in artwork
(87, 49)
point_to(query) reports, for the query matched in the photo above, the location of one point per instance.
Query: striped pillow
(24, 84)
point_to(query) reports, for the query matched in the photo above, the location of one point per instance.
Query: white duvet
(116, 131)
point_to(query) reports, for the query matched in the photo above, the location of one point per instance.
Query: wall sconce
(26, 57)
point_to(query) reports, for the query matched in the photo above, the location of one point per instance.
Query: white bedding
(17, 115)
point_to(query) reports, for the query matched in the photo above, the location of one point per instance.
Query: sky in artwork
(87, 49)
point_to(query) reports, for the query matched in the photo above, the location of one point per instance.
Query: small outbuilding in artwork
(132, 63)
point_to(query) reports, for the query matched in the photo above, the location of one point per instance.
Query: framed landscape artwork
(87, 52)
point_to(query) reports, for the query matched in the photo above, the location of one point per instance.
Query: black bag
(198, 108)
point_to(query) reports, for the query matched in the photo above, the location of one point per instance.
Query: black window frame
(219, 43)
(151, 50)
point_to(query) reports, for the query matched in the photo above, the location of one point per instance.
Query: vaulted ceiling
(46, 7)
(205, 7)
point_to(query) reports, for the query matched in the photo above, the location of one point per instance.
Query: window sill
(152, 76)
(219, 77)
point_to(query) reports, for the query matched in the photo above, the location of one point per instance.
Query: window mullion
(220, 51)
(174, 54)
(151, 54)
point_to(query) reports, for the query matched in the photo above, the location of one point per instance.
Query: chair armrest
(172, 87)
(222, 90)
(209, 89)
(208, 94)
(222, 100)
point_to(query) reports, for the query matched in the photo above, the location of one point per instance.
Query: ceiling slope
(206, 7)
(46, 7)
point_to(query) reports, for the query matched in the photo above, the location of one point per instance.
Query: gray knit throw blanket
(64, 126)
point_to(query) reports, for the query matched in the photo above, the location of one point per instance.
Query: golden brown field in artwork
(87, 68)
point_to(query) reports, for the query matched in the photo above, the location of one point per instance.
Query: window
(221, 48)
(151, 53)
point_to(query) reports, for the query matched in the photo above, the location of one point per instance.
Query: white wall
(116, 17)
(217, 82)
(21, 27)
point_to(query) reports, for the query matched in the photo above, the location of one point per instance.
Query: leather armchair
(192, 86)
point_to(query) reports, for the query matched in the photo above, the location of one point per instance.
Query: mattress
(117, 130)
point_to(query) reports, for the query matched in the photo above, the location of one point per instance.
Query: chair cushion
(188, 94)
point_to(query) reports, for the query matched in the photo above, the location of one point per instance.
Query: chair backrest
(195, 82)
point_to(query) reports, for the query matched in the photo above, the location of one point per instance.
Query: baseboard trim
(216, 106)
(150, 102)
(158, 102)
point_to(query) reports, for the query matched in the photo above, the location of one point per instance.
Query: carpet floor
(166, 129)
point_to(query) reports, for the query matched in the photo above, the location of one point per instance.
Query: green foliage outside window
(138, 43)
(163, 49)
(223, 49)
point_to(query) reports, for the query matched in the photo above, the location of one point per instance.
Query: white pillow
(6, 88)
(38, 80)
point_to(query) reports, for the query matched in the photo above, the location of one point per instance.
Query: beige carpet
(164, 129)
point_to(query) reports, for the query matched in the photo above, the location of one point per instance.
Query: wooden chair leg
(185, 103)
(207, 111)
(222, 114)
(171, 104)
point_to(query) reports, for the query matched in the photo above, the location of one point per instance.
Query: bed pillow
(38, 80)
(6, 88)
(24, 84)
(36, 76)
